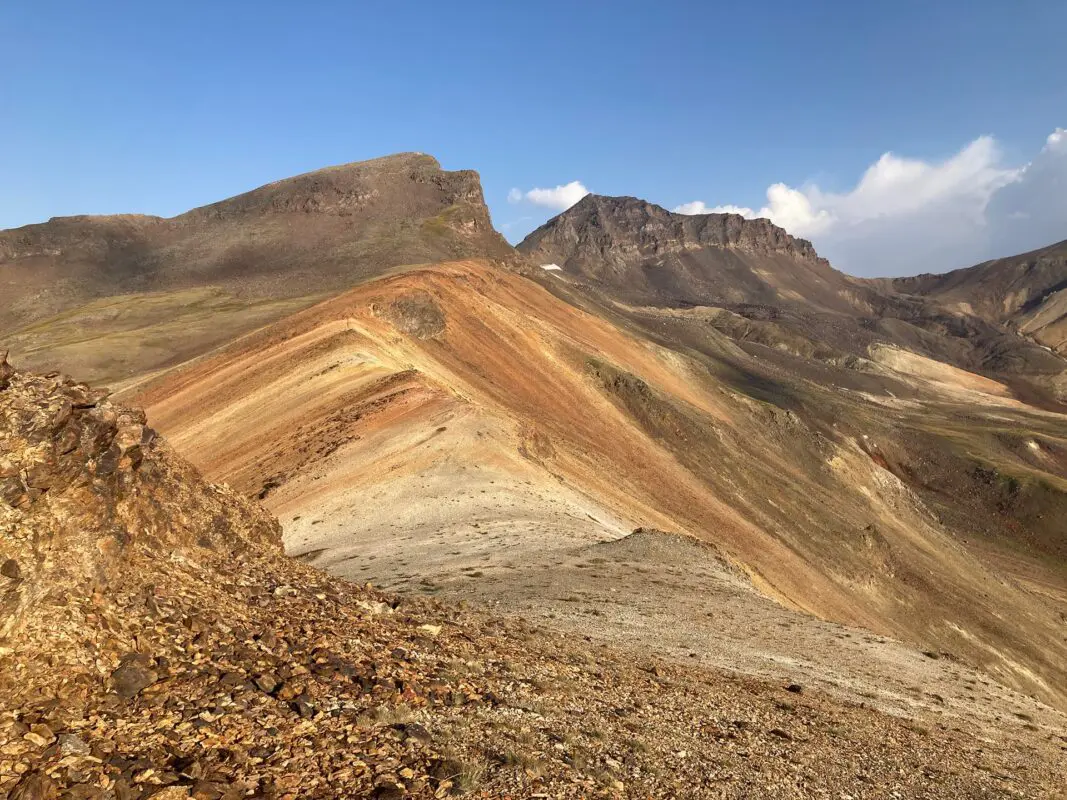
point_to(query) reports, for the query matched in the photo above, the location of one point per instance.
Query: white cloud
(559, 199)
(698, 207)
(1032, 211)
(907, 215)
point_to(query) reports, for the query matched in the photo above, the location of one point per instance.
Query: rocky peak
(622, 228)
(402, 186)
(396, 181)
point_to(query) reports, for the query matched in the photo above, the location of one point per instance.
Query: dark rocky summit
(620, 227)
(644, 253)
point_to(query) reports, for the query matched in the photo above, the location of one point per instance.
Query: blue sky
(157, 108)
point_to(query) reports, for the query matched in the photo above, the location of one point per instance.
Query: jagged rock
(72, 745)
(267, 683)
(207, 790)
(109, 461)
(6, 370)
(388, 791)
(12, 490)
(42, 735)
(417, 315)
(132, 676)
(415, 731)
(170, 793)
(35, 739)
(34, 786)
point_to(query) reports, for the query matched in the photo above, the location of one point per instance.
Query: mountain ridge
(244, 260)
(1026, 292)
(630, 252)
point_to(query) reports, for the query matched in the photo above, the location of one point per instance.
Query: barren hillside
(1027, 292)
(117, 296)
(158, 644)
(459, 425)
(686, 468)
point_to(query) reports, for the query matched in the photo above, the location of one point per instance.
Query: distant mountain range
(1028, 293)
(635, 253)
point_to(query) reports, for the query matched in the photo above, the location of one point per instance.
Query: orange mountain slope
(461, 415)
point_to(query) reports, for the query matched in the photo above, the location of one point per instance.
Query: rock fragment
(133, 676)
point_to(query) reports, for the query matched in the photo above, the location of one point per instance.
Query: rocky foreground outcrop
(155, 642)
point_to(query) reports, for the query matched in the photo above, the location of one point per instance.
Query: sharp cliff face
(245, 261)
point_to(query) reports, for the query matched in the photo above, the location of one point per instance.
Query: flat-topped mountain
(240, 262)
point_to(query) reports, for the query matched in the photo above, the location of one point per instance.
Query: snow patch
(552, 267)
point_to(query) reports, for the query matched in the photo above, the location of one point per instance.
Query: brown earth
(1028, 292)
(157, 644)
(114, 295)
(487, 426)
